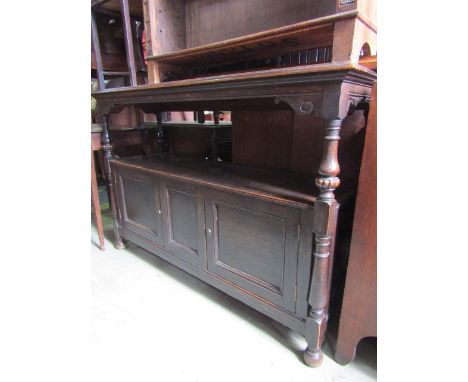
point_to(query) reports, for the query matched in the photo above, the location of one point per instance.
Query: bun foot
(313, 358)
(119, 244)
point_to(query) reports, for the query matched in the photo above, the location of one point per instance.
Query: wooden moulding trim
(252, 75)
(271, 33)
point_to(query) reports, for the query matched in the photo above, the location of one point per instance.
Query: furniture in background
(117, 52)
(186, 38)
(116, 58)
(358, 317)
(263, 232)
(96, 146)
(116, 36)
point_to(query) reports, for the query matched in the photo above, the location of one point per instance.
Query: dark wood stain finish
(184, 223)
(261, 140)
(231, 19)
(253, 244)
(269, 233)
(139, 208)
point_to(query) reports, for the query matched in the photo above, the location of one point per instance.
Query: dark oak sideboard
(264, 237)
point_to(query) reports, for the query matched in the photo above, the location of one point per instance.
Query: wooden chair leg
(101, 164)
(96, 205)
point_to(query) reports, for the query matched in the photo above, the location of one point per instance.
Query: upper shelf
(196, 38)
(299, 36)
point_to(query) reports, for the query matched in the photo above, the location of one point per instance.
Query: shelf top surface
(315, 30)
(308, 73)
(279, 186)
(311, 27)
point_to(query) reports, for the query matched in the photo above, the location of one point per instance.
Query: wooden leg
(101, 162)
(107, 147)
(96, 205)
(324, 228)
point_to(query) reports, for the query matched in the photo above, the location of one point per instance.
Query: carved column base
(119, 243)
(316, 325)
(313, 357)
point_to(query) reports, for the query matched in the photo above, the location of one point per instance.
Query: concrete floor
(153, 322)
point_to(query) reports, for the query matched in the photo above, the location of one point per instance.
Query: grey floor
(153, 322)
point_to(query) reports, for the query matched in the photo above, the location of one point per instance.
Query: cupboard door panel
(236, 242)
(254, 243)
(139, 205)
(184, 222)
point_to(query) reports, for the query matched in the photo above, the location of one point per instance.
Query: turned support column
(324, 227)
(161, 137)
(107, 147)
(214, 140)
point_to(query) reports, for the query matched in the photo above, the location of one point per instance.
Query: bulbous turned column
(324, 227)
(107, 147)
(327, 180)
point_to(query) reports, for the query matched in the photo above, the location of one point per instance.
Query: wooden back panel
(209, 21)
(173, 25)
(262, 140)
(283, 140)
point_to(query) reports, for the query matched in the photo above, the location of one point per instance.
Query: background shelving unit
(193, 38)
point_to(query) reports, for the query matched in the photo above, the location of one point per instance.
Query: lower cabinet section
(252, 243)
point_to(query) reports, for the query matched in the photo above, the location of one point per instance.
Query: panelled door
(139, 204)
(254, 244)
(184, 221)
